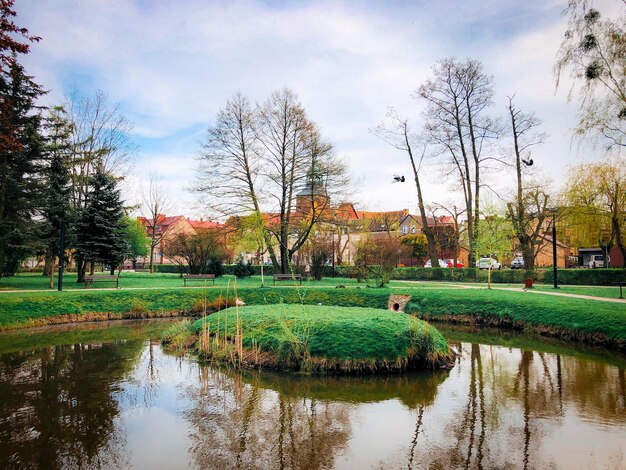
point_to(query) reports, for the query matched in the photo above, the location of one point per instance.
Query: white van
(597, 261)
(485, 263)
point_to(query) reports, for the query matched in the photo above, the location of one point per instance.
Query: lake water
(108, 396)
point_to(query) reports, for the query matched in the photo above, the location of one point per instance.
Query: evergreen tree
(20, 146)
(101, 228)
(57, 208)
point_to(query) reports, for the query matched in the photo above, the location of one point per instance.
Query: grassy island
(313, 338)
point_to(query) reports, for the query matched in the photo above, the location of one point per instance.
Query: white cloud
(173, 64)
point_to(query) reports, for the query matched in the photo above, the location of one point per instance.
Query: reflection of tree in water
(145, 377)
(272, 420)
(58, 405)
(499, 423)
(242, 425)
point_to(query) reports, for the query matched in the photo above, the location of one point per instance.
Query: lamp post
(332, 234)
(61, 255)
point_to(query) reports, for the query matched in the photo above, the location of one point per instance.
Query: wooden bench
(89, 280)
(287, 277)
(198, 277)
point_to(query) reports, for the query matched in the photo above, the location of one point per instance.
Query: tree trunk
(151, 258)
(80, 269)
(52, 274)
(619, 241)
(432, 249)
(46, 266)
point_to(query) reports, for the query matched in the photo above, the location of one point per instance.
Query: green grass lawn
(28, 281)
(34, 281)
(349, 338)
(162, 294)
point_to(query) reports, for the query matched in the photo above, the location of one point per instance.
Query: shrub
(242, 269)
(171, 268)
(464, 275)
(590, 277)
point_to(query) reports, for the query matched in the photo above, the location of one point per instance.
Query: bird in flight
(528, 162)
(398, 179)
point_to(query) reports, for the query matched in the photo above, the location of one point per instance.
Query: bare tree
(155, 204)
(528, 213)
(273, 157)
(100, 140)
(458, 97)
(397, 134)
(593, 51)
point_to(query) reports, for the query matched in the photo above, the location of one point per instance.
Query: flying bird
(398, 179)
(527, 162)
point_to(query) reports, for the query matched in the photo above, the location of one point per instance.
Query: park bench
(89, 280)
(198, 277)
(287, 277)
(621, 286)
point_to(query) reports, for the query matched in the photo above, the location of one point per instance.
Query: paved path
(527, 291)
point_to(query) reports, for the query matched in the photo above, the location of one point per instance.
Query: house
(167, 227)
(545, 253)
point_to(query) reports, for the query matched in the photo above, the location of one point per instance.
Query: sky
(171, 65)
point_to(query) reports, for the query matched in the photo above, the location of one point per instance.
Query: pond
(108, 396)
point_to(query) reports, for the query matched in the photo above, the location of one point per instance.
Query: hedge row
(463, 275)
(268, 270)
(580, 276)
(588, 277)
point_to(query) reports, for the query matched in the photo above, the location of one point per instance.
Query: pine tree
(57, 208)
(21, 147)
(101, 229)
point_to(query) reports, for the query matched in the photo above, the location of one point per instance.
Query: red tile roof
(204, 224)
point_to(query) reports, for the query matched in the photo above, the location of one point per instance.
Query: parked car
(485, 263)
(518, 263)
(450, 263)
(597, 261)
(442, 264)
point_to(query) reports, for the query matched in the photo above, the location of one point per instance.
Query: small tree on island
(377, 258)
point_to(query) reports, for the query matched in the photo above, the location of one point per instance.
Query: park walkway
(516, 289)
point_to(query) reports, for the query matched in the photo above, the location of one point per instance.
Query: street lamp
(61, 252)
(332, 233)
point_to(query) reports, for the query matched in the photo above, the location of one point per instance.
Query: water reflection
(509, 402)
(58, 405)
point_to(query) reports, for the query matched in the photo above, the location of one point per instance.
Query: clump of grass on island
(311, 338)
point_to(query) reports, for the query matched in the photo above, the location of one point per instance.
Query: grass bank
(569, 318)
(572, 318)
(312, 338)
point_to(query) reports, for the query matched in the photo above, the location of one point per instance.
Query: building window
(412, 229)
(405, 229)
